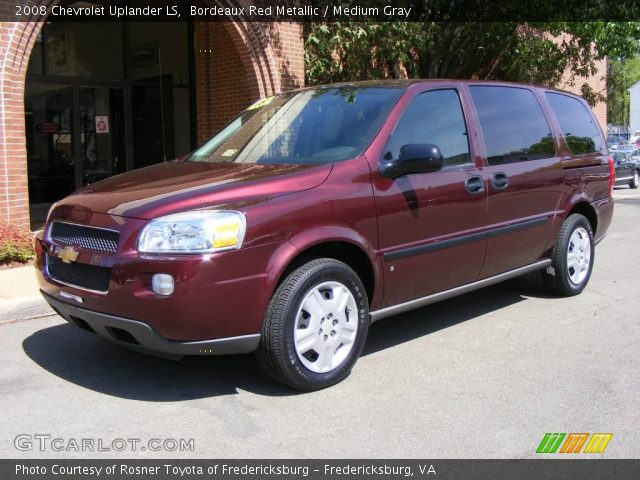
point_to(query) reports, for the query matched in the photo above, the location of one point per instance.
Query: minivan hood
(169, 187)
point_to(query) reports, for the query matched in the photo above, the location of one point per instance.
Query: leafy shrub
(16, 244)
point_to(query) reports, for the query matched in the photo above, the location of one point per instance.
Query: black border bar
(323, 10)
(119, 469)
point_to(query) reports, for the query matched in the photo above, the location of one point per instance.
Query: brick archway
(229, 73)
(15, 49)
(270, 56)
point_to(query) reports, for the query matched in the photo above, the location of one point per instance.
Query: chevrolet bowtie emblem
(66, 254)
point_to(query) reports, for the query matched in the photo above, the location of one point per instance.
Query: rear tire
(315, 326)
(572, 258)
(635, 181)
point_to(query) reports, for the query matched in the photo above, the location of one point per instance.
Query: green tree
(622, 73)
(535, 52)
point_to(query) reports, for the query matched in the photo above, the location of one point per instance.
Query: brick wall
(225, 80)
(239, 63)
(287, 44)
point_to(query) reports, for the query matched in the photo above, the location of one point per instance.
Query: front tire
(572, 258)
(315, 326)
(635, 181)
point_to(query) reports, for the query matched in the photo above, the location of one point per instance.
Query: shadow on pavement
(423, 321)
(90, 362)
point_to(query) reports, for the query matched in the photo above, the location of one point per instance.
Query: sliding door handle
(499, 181)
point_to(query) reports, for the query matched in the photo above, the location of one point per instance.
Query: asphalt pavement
(484, 375)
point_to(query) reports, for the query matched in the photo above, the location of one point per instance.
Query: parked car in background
(319, 211)
(634, 139)
(614, 140)
(627, 169)
(626, 148)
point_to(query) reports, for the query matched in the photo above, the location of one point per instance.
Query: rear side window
(577, 124)
(513, 124)
(433, 117)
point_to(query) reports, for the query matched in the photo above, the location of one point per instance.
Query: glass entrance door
(75, 137)
(152, 108)
(101, 136)
(49, 129)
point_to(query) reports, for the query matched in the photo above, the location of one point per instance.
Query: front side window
(308, 127)
(577, 124)
(434, 117)
(513, 124)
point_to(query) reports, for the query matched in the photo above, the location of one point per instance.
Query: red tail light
(612, 175)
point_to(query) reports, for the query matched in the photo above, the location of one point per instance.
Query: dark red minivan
(316, 212)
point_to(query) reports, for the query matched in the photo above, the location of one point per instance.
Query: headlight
(201, 231)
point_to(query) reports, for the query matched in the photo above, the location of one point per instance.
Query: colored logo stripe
(550, 443)
(598, 442)
(574, 443)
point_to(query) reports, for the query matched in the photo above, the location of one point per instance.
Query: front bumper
(140, 336)
(221, 295)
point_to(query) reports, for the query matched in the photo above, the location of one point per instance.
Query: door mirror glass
(413, 158)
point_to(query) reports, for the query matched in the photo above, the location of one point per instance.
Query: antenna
(164, 142)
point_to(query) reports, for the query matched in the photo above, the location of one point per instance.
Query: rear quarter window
(577, 124)
(513, 124)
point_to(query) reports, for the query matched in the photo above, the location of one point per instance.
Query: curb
(20, 297)
(23, 309)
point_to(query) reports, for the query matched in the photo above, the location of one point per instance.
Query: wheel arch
(351, 249)
(578, 203)
(587, 210)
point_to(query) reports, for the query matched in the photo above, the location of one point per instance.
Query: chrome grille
(89, 277)
(88, 238)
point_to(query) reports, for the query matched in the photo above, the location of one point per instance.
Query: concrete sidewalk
(20, 298)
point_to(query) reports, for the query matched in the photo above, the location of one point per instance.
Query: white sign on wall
(102, 124)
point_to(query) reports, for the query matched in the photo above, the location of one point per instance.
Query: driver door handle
(474, 184)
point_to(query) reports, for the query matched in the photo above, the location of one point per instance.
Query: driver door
(431, 224)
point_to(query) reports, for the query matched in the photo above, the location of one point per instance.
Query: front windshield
(307, 127)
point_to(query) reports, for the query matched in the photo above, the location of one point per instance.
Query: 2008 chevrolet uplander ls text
(316, 212)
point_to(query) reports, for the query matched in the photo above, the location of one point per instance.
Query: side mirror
(414, 158)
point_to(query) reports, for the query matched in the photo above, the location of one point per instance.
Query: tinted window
(433, 117)
(513, 125)
(306, 127)
(577, 124)
(619, 157)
